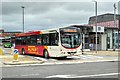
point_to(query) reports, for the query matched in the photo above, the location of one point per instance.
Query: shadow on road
(56, 58)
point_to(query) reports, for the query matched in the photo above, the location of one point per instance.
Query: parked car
(7, 45)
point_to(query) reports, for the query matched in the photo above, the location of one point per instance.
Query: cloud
(58, 0)
(43, 15)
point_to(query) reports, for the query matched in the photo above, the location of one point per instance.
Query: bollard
(15, 55)
(1, 51)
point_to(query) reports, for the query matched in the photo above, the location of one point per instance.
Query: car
(7, 45)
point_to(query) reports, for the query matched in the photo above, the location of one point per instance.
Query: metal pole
(114, 23)
(82, 42)
(96, 22)
(23, 17)
(118, 28)
(118, 37)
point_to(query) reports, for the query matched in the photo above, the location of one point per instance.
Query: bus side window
(54, 38)
(39, 39)
(28, 39)
(33, 40)
(23, 40)
(46, 39)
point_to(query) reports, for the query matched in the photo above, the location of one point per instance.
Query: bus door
(54, 48)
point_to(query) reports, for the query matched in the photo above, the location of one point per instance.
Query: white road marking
(53, 59)
(77, 57)
(43, 59)
(84, 76)
(96, 75)
(60, 76)
(85, 57)
(89, 57)
(65, 76)
(39, 58)
(29, 75)
(23, 75)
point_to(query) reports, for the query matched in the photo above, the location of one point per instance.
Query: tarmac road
(83, 70)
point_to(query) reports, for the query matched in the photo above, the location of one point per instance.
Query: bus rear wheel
(46, 54)
(23, 51)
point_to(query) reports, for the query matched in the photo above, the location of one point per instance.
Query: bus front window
(70, 40)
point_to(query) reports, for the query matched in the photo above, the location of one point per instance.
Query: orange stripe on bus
(45, 47)
(40, 32)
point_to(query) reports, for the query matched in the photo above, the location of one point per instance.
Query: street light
(23, 16)
(114, 22)
(96, 22)
(118, 25)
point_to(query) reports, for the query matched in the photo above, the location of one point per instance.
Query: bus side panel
(19, 47)
(40, 50)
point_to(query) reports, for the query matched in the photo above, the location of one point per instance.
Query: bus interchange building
(107, 33)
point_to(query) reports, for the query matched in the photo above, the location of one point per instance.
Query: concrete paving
(103, 53)
(9, 60)
(28, 61)
(88, 56)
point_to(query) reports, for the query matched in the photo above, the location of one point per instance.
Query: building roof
(103, 18)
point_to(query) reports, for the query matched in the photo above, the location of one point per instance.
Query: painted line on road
(97, 75)
(65, 76)
(84, 76)
(22, 75)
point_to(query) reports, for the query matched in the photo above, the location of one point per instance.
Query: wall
(103, 42)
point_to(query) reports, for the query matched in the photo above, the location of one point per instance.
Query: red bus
(60, 42)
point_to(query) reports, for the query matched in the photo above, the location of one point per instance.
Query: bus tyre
(23, 51)
(46, 55)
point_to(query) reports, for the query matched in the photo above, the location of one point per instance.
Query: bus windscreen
(70, 38)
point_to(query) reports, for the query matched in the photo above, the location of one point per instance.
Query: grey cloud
(43, 15)
(118, 7)
(30, 7)
(84, 6)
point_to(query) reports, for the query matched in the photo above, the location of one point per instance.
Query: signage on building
(99, 29)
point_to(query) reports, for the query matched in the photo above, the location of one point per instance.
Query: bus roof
(42, 31)
(28, 33)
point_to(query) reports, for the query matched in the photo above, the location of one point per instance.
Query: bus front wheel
(46, 54)
(23, 51)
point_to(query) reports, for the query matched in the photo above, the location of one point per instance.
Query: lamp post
(118, 27)
(96, 22)
(23, 16)
(114, 23)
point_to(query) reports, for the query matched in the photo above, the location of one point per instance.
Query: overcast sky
(43, 15)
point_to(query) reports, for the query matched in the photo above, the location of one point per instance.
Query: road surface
(82, 70)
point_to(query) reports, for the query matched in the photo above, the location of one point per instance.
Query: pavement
(91, 56)
(9, 60)
(103, 53)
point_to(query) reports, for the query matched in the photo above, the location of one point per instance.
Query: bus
(60, 42)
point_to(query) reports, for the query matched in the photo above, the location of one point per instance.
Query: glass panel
(70, 38)
(39, 40)
(54, 39)
(45, 39)
(33, 40)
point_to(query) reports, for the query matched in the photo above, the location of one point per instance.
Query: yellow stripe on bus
(45, 47)
(40, 32)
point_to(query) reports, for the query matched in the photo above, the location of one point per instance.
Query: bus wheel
(46, 55)
(23, 51)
